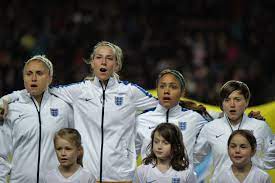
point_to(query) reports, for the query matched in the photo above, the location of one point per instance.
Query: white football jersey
(80, 176)
(150, 174)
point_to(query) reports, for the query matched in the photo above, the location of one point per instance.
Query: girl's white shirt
(255, 175)
(150, 174)
(214, 136)
(188, 121)
(82, 175)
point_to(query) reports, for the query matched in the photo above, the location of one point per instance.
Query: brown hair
(176, 74)
(231, 86)
(74, 137)
(246, 134)
(172, 134)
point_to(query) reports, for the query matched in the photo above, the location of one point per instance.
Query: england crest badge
(182, 125)
(118, 101)
(54, 112)
(175, 180)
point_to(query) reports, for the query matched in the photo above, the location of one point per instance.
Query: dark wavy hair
(246, 134)
(172, 134)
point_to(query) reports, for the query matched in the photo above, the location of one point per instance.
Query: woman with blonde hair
(104, 113)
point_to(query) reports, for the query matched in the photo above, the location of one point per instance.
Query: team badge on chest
(182, 125)
(54, 112)
(118, 101)
(175, 180)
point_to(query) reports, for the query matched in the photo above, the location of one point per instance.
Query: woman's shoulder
(259, 171)
(214, 123)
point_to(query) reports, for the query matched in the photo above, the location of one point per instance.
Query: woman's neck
(68, 171)
(38, 99)
(236, 121)
(104, 83)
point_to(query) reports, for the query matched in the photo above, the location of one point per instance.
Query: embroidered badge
(175, 180)
(119, 101)
(150, 180)
(54, 112)
(182, 125)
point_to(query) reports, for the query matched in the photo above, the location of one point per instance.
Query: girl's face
(169, 91)
(104, 63)
(240, 151)
(67, 152)
(36, 77)
(161, 147)
(234, 106)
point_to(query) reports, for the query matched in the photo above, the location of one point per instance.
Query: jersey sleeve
(191, 177)
(4, 140)
(6, 149)
(67, 93)
(139, 135)
(268, 180)
(138, 142)
(139, 175)
(11, 97)
(268, 160)
(70, 113)
(202, 147)
(264, 155)
(5, 169)
(201, 121)
(142, 99)
(269, 157)
(92, 179)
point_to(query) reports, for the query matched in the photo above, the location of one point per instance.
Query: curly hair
(172, 134)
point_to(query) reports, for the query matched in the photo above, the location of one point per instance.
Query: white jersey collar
(112, 81)
(245, 117)
(25, 96)
(172, 110)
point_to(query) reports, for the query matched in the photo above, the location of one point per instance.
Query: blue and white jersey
(255, 175)
(5, 166)
(214, 136)
(269, 156)
(32, 127)
(106, 120)
(111, 128)
(80, 176)
(151, 174)
(189, 122)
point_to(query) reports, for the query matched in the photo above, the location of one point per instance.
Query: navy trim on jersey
(139, 87)
(184, 109)
(62, 86)
(148, 110)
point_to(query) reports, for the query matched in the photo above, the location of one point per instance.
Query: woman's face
(104, 63)
(169, 91)
(36, 77)
(234, 106)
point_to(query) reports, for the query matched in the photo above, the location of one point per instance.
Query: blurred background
(209, 41)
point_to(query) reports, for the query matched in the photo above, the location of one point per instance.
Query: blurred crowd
(210, 41)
